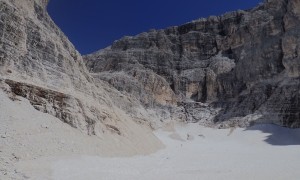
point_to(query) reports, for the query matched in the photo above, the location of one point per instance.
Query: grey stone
(39, 63)
(243, 62)
(231, 70)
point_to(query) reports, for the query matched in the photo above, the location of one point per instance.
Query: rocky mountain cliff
(235, 69)
(227, 71)
(231, 70)
(38, 62)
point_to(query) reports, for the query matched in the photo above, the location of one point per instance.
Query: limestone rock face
(38, 62)
(34, 49)
(246, 63)
(241, 67)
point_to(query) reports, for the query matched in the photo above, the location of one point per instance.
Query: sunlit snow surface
(193, 152)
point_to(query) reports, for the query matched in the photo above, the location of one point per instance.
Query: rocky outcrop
(244, 63)
(240, 68)
(65, 107)
(38, 62)
(33, 49)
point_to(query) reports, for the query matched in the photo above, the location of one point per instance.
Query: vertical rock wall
(243, 62)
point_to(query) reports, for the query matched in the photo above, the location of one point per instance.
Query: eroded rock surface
(231, 70)
(38, 62)
(245, 63)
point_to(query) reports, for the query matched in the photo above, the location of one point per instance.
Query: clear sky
(94, 24)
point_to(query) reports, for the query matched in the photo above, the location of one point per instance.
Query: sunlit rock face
(234, 69)
(34, 49)
(39, 63)
(243, 63)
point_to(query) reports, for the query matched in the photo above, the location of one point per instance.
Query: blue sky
(94, 24)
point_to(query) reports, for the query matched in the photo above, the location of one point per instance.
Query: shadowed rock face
(245, 63)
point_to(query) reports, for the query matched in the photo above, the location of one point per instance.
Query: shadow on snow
(278, 136)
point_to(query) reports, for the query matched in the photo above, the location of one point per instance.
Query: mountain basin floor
(194, 152)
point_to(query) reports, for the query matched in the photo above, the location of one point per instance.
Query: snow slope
(207, 154)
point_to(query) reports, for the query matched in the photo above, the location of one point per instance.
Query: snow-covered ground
(195, 152)
(34, 145)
